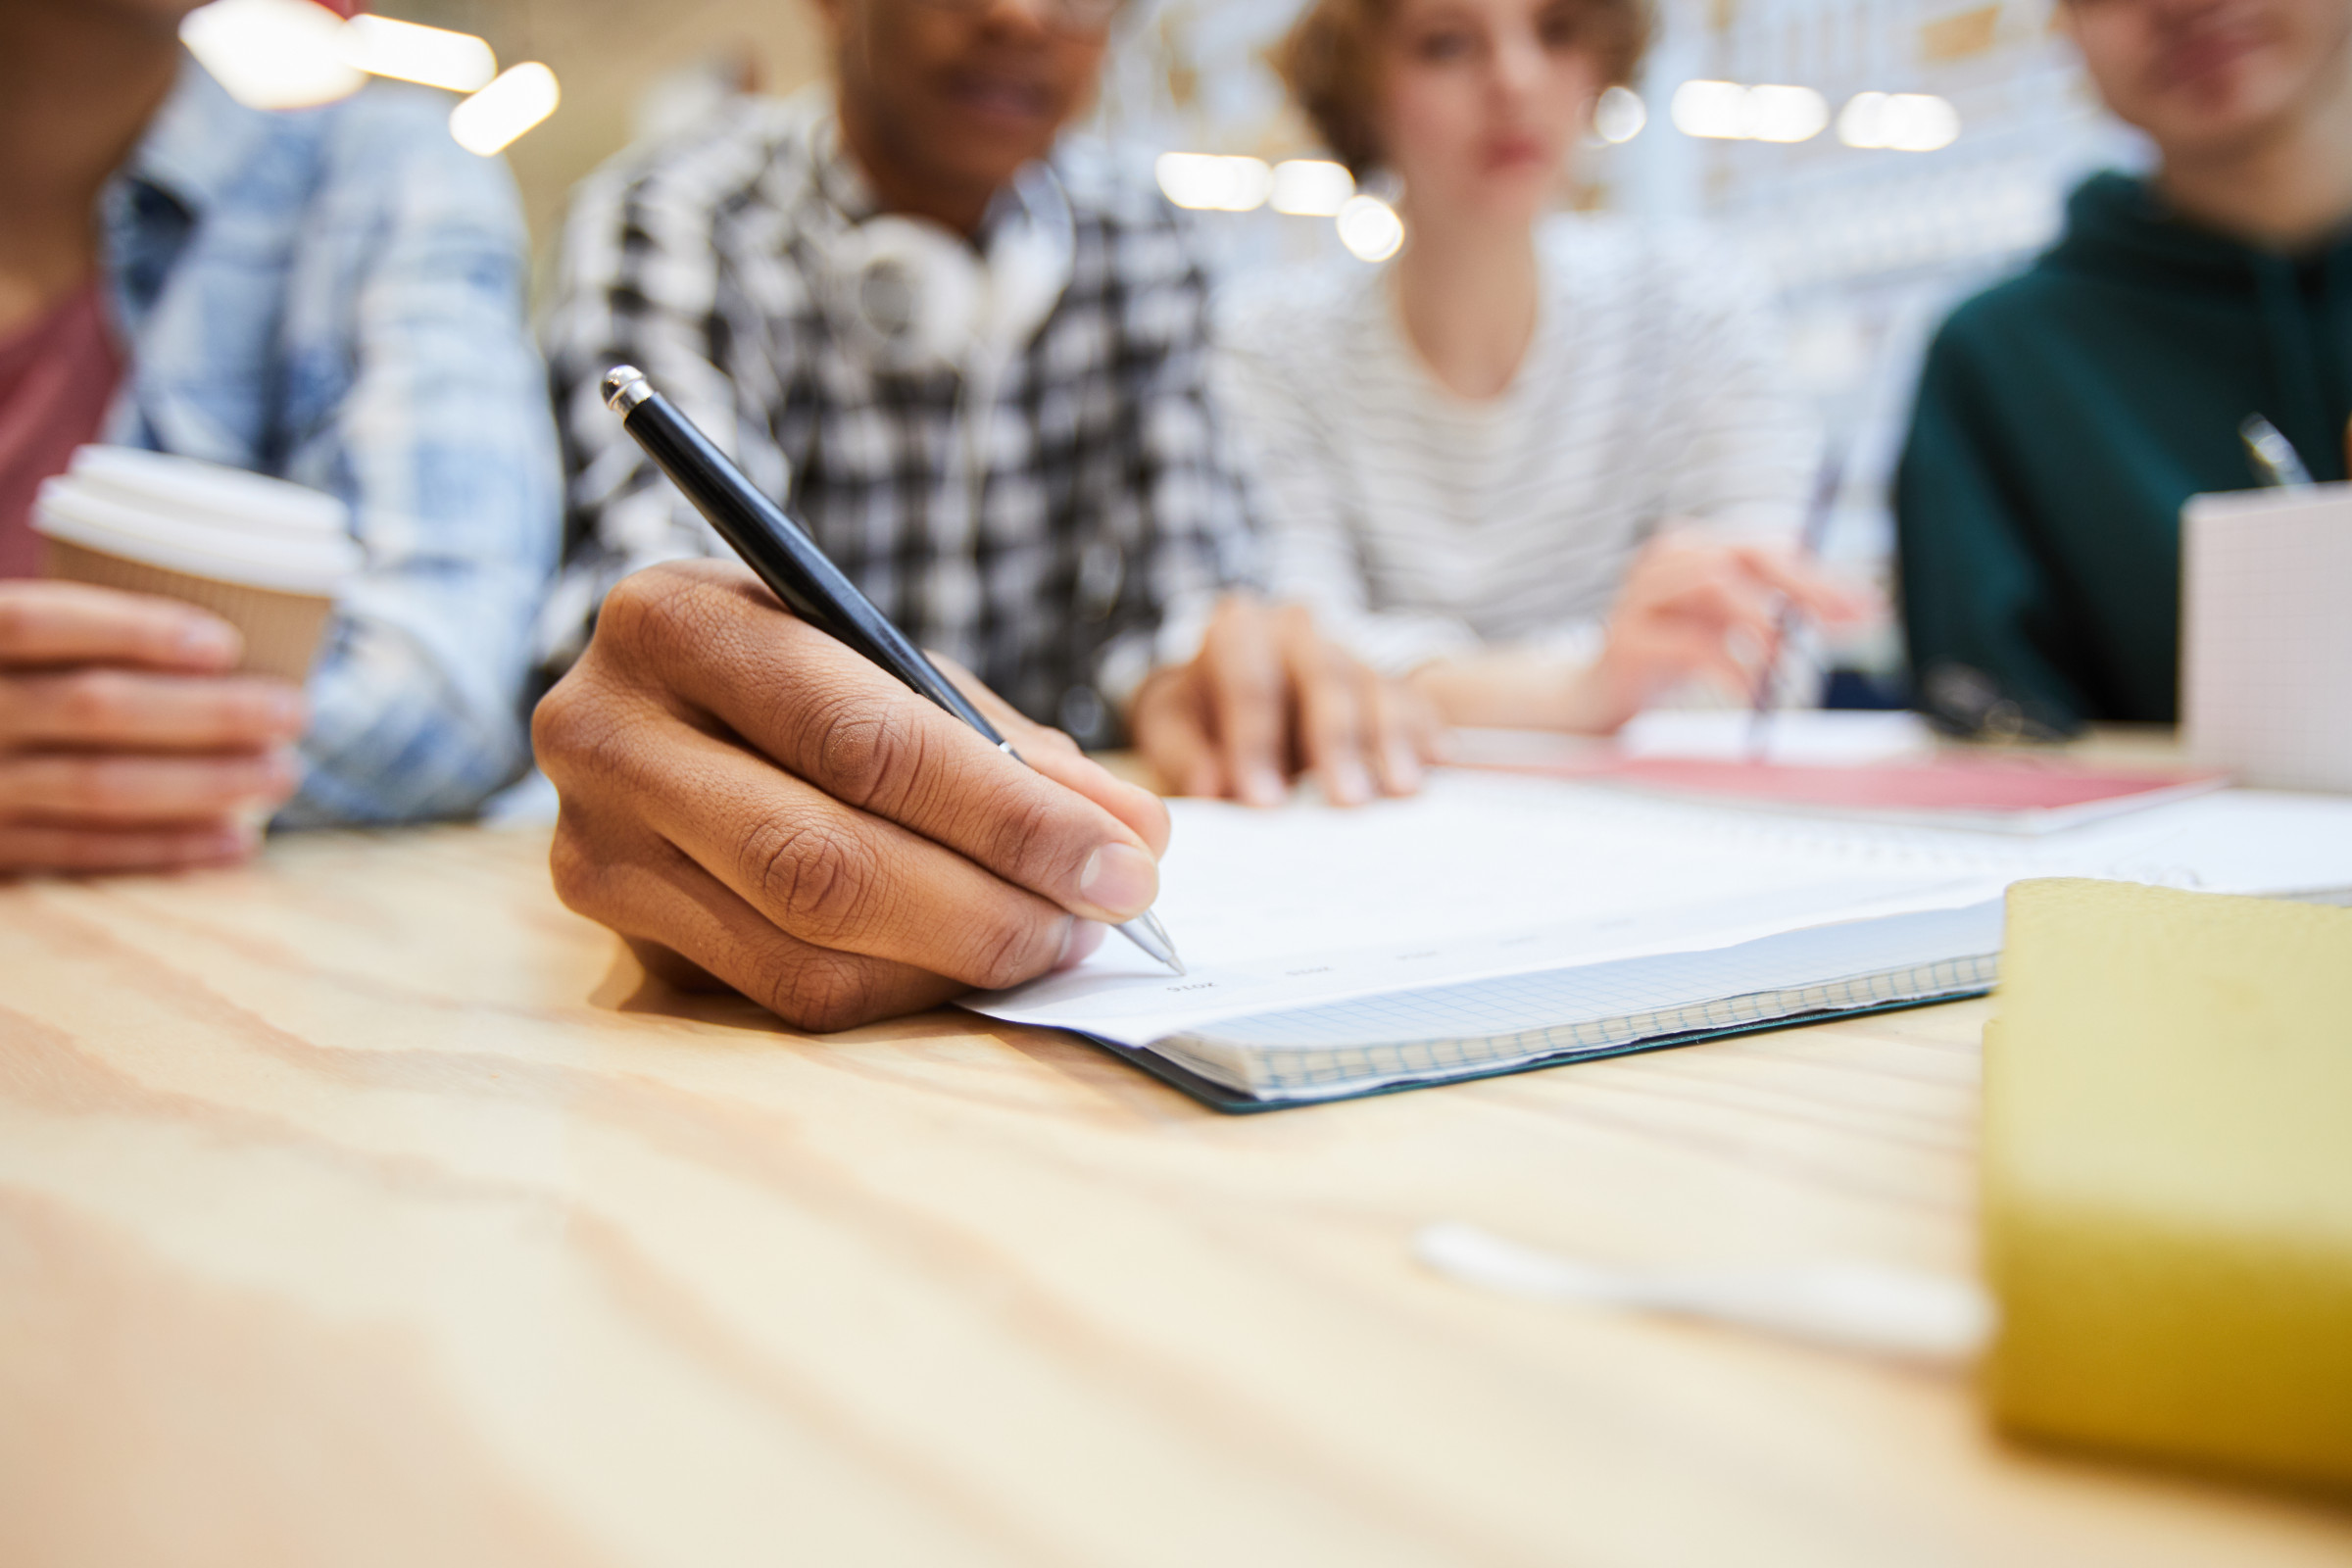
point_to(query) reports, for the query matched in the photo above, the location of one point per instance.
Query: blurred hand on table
(126, 743)
(1690, 607)
(1269, 699)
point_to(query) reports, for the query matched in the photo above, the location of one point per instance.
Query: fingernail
(1263, 787)
(287, 710)
(208, 641)
(238, 838)
(1084, 938)
(1404, 769)
(1119, 878)
(1348, 783)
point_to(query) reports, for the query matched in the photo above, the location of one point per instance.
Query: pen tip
(1146, 933)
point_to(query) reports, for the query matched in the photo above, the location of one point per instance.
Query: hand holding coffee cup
(148, 710)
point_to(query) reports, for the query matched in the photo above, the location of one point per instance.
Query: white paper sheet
(1486, 875)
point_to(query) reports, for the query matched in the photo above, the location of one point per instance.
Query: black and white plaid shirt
(1109, 518)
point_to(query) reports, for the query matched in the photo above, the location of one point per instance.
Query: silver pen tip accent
(624, 387)
(1146, 933)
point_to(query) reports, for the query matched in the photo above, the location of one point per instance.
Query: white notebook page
(1487, 875)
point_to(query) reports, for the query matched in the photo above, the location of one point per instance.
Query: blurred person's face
(163, 15)
(2211, 76)
(963, 92)
(1482, 102)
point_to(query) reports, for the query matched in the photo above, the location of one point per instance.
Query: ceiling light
(1904, 121)
(1920, 122)
(512, 104)
(1860, 122)
(1311, 188)
(1370, 228)
(1620, 115)
(1206, 181)
(433, 56)
(273, 54)
(1709, 109)
(1773, 112)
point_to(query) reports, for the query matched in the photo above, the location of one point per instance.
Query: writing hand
(746, 800)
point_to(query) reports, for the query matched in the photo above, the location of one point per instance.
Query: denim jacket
(335, 296)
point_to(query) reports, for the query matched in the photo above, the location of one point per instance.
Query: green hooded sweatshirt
(2063, 418)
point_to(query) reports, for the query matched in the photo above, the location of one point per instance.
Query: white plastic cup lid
(183, 514)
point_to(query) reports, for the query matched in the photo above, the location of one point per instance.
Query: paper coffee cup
(265, 556)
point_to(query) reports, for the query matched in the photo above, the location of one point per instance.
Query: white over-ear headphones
(915, 296)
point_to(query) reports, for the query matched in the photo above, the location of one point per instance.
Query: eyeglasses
(1062, 15)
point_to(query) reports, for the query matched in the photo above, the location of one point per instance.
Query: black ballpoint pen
(800, 575)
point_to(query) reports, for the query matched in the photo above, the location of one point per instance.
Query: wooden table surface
(367, 1207)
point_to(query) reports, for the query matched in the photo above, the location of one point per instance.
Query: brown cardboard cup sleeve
(281, 630)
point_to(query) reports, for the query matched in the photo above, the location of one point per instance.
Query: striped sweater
(1421, 524)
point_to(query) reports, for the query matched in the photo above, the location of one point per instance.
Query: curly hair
(1330, 60)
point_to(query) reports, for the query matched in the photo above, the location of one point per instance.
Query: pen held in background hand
(800, 575)
(1826, 488)
(2278, 465)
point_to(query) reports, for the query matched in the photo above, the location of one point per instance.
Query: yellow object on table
(2168, 1176)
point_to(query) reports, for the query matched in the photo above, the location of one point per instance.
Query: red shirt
(57, 376)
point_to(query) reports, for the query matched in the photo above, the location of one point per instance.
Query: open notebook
(1500, 923)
